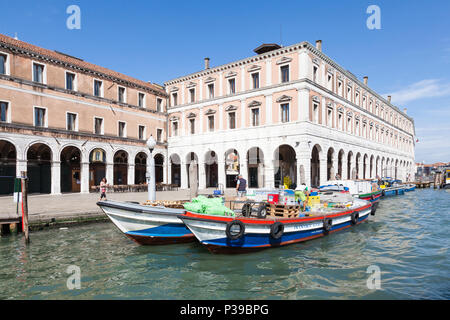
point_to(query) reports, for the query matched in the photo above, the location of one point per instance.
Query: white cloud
(429, 88)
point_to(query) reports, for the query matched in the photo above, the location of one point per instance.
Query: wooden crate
(178, 204)
(279, 210)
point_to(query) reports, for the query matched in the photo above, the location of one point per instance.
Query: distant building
(426, 171)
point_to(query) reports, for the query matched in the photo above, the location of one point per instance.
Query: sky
(407, 58)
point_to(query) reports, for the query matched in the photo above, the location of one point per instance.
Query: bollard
(24, 183)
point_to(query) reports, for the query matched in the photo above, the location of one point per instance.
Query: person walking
(241, 186)
(103, 186)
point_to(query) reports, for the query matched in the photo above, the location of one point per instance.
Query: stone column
(169, 172)
(344, 168)
(165, 171)
(84, 173)
(56, 177)
(305, 161)
(130, 174)
(221, 173)
(201, 176)
(184, 175)
(323, 171)
(21, 165)
(269, 169)
(110, 173)
(243, 168)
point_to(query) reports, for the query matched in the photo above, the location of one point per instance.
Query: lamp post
(150, 175)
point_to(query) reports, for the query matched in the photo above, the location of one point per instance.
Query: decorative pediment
(174, 89)
(174, 118)
(191, 85)
(330, 70)
(210, 79)
(231, 108)
(377, 126)
(364, 121)
(349, 84)
(254, 104)
(231, 74)
(191, 115)
(284, 60)
(349, 113)
(357, 117)
(210, 111)
(340, 109)
(284, 98)
(371, 123)
(316, 99)
(254, 68)
(339, 76)
(316, 61)
(329, 105)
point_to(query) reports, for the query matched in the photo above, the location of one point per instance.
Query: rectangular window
(159, 105)
(121, 94)
(70, 81)
(71, 121)
(98, 125)
(174, 128)
(255, 80)
(285, 112)
(122, 128)
(192, 125)
(232, 120)
(159, 135)
(340, 92)
(340, 122)
(330, 82)
(141, 100)
(98, 88)
(39, 117)
(211, 123)
(315, 113)
(284, 73)
(3, 111)
(141, 132)
(315, 69)
(255, 117)
(38, 73)
(211, 90)
(3, 63)
(174, 99)
(232, 86)
(192, 95)
(329, 117)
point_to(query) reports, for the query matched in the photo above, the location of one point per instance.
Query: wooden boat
(221, 234)
(409, 187)
(149, 223)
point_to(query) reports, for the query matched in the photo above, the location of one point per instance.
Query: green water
(408, 240)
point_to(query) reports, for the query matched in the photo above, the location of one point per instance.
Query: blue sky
(409, 57)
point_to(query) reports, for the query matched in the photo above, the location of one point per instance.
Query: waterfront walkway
(76, 207)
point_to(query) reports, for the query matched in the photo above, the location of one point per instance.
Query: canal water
(407, 240)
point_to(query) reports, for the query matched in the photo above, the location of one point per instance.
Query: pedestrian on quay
(103, 186)
(241, 186)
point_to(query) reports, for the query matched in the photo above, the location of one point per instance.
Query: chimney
(319, 45)
(405, 111)
(389, 99)
(206, 63)
(366, 78)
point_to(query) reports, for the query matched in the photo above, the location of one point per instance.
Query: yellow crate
(313, 200)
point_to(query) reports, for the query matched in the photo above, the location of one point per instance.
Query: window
(3, 58)
(141, 132)
(211, 90)
(231, 86)
(121, 94)
(330, 82)
(284, 73)
(39, 117)
(38, 73)
(255, 80)
(174, 99)
(255, 117)
(340, 88)
(192, 95)
(315, 113)
(357, 128)
(232, 120)
(70, 81)
(349, 125)
(285, 112)
(3, 111)
(340, 121)
(175, 128)
(122, 129)
(141, 100)
(349, 93)
(329, 117)
(159, 133)
(98, 125)
(98, 88)
(192, 125)
(159, 105)
(71, 121)
(315, 69)
(357, 98)
(211, 123)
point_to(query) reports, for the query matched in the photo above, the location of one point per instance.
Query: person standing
(103, 186)
(241, 186)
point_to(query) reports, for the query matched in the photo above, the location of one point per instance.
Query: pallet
(178, 204)
(278, 210)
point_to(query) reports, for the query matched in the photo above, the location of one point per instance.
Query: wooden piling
(24, 183)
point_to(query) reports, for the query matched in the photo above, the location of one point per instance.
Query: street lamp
(151, 185)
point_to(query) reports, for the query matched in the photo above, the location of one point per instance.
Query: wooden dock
(10, 223)
(421, 184)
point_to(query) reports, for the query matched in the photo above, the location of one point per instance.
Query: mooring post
(24, 183)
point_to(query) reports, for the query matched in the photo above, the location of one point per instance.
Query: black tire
(355, 217)
(277, 230)
(262, 211)
(247, 209)
(231, 234)
(327, 223)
